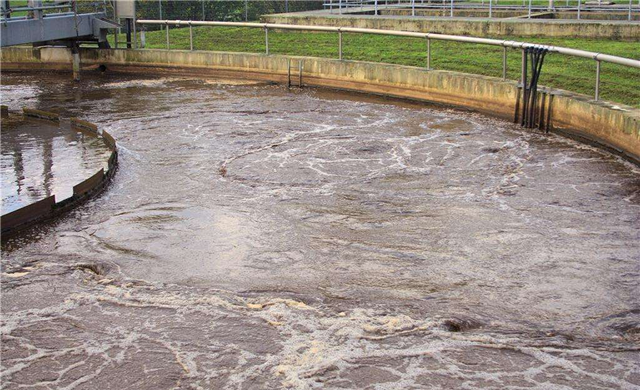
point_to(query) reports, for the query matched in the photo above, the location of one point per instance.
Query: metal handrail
(451, 5)
(598, 57)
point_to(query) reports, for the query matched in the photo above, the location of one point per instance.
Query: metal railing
(528, 7)
(505, 44)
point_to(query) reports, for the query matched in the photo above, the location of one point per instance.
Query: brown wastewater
(258, 237)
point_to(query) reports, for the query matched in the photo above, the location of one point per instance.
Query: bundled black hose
(530, 87)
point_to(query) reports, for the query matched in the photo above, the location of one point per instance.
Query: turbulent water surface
(256, 237)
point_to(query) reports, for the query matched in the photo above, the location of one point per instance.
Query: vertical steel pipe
(504, 62)
(428, 53)
(190, 36)
(167, 27)
(340, 45)
(523, 68)
(579, 4)
(491, 8)
(529, 14)
(135, 34)
(266, 40)
(597, 80)
(451, 15)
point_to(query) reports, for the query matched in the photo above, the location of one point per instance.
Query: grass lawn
(618, 83)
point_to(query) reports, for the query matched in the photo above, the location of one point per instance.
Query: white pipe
(442, 37)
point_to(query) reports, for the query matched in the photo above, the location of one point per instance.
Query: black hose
(530, 87)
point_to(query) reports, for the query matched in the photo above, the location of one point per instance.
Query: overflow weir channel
(271, 237)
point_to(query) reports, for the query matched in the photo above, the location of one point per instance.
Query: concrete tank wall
(477, 27)
(614, 126)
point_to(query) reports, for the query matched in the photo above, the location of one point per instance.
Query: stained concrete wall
(614, 126)
(498, 13)
(620, 30)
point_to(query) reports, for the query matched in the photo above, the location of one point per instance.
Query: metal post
(135, 33)
(376, 8)
(340, 45)
(504, 62)
(167, 28)
(159, 8)
(340, 6)
(523, 68)
(428, 53)
(246, 10)
(190, 36)
(451, 8)
(413, 7)
(266, 40)
(529, 14)
(597, 80)
(630, 1)
(203, 14)
(579, 1)
(490, 8)
(76, 64)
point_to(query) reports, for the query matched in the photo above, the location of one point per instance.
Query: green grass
(618, 83)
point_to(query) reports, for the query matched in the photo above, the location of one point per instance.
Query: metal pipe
(266, 39)
(597, 80)
(529, 13)
(135, 34)
(579, 2)
(190, 36)
(504, 63)
(442, 37)
(451, 14)
(523, 69)
(490, 8)
(167, 28)
(340, 45)
(428, 53)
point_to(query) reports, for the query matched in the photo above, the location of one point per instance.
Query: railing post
(190, 36)
(340, 45)
(266, 39)
(504, 62)
(451, 9)
(135, 34)
(413, 7)
(490, 8)
(630, 1)
(167, 28)
(529, 14)
(579, 4)
(428, 53)
(376, 8)
(597, 80)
